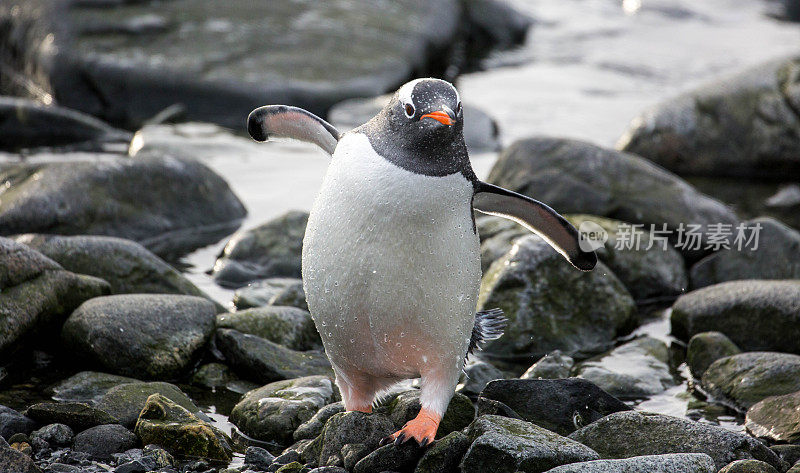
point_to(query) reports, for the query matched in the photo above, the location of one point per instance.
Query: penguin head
(426, 112)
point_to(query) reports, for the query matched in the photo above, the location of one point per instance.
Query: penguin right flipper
(284, 121)
(489, 325)
(537, 217)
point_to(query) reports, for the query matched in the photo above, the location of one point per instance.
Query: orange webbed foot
(421, 428)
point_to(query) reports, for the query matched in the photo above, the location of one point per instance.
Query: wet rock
(313, 427)
(151, 458)
(87, 386)
(560, 405)
(637, 369)
(12, 422)
(126, 265)
(578, 177)
(271, 249)
(141, 334)
(480, 130)
(756, 315)
(742, 126)
(669, 463)
(496, 23)
(328, 469)
(400, 458)
(54, 434)
(14, 461)
(29, 124)
(477, 373)
(104, 440)
(213, 375)
(76, 415)
(551, 305)
(788, 453)
(37, 294)
(348, 428)
(352, 453)
(553, 365)
(748, 466)
(264, 361)
(776, 418)
(126, 401)
(706, 348)
(273, 412)
(495, 246)
(459, 414)
(445, 455)
(258, 458)
(744, 379)
(776, 243)
(169, 203)
(165, 423)
(271, 291)
(503, 444)
(287, 326)
(658, 434)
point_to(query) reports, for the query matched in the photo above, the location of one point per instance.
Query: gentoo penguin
(391, 256)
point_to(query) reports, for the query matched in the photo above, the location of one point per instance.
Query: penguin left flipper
(537, 217)
(284, 121)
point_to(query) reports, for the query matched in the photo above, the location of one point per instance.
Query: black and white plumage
(391, 255)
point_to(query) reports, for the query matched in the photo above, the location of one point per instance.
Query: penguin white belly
(391, 266)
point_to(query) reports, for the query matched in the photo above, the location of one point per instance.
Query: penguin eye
(409, 110)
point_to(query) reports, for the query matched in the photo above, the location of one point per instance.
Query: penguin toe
(422, 429)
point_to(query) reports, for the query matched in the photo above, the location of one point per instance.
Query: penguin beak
(443, 117)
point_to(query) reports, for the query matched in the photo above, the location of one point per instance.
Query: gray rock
(288, 326)
(534, 285)
(352, 453)
(313, 427)
(169, 203)
(349, 428)
(669, 463)
(271, 291)
(748, 466)
(87, 386)
(271, 249)
(480, 130)
(503, 444)
(37, 294)
(54, 434)
(657, 434)
(126, 265)
(258, 458)
(560, 405)
(273, 412)
(459, 414)
(742, 126)
(775, 418)
(12, 422)
(14, 461)
(742, 380)
(141, 334)
(776, 243)
(445, 455)
(126, 401)
(496, 22)
(788, 453)
(578, 177)
(213, 375)
(756, 315)
(76, 415)
(637, 369)
(706, 348)
(264, 361)
(553, 365)
(104, 440)
(477, 373)
(402, 458)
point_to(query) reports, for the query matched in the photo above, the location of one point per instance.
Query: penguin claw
(422, 429)
(400, 439)
(424, 442)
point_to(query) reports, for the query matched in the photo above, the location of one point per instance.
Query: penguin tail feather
(489, 325)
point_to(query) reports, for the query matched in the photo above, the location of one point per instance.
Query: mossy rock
(459, 414)
(87, 386)
(77, 415)
(707, 347)
(350, 428)
(126, 401)
(288, 326)
(445, 455)
(775, 418)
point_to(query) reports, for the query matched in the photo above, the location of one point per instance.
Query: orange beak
(440, 116)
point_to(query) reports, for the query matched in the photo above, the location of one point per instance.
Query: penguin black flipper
(284, 121)
(537, 217)
(489, 325)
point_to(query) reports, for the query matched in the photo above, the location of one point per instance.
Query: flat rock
(77, 415)
(756, 315)
(126, 401)
(169, 203)
(503, 444)
(776, 243)
(141, 334)
(271, 291)
(634, 370)
(669, 463)
(553, 365)
(560, 405)
(551, 305)
(748, 466)
(744, 379)
(264, 361)
(288, 326)
(269, 250)
(707, 347)
(775, 418)
(103, 441)
(657, 434)
(578, 177)
(273, 412)
(87, 386)
(741, 126)
(36, 294)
